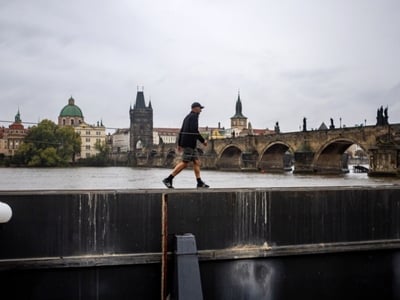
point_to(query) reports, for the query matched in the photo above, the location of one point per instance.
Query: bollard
(187, 283)
(5, 212)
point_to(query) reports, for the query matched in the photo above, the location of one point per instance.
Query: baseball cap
(197, 104)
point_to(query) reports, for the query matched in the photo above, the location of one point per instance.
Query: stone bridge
(319, 151)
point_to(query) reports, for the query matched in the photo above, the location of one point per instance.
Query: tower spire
(238, 108)
(18, 117)
(140, 102)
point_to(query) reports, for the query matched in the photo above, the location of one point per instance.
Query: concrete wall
(107, 244)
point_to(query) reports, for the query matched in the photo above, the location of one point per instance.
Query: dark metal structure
(304, 243)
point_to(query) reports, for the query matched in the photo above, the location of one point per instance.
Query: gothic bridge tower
(141, 129)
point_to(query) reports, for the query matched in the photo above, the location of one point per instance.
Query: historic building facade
(91, 135)
(120, 141)
(12, 137)
(165, 135)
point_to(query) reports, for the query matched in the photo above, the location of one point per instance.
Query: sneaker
(168, 183)
(202, 185)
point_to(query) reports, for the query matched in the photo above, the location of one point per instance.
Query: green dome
(71, 110)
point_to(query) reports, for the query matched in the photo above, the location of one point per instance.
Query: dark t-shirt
(189, 133)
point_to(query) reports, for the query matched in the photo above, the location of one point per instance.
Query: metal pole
(164, 245)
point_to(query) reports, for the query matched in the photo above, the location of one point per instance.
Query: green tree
(70, 143)
(48, 145)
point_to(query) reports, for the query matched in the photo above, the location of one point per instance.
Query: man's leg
(179, 167)
(196, 169)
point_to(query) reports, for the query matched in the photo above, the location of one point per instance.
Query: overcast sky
(289, 59)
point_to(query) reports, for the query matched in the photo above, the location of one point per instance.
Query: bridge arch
(230, 158)
(276, 157)
(330, 157)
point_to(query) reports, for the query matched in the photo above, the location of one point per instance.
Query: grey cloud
(288, 59)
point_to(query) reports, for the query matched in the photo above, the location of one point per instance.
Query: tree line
(50, 145)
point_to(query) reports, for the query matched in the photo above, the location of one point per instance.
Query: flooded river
(150, 178)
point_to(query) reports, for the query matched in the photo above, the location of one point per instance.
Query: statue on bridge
(386, 116)
(304, 124)
(277, 129)
(382, 117)
(332, 126)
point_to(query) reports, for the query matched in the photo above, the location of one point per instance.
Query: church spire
(238, 111)
(18, 117)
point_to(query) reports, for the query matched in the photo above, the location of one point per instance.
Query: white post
(5, 212)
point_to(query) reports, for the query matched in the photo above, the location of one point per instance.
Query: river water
(150, 178)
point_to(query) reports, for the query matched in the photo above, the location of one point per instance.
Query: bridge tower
(141, 127)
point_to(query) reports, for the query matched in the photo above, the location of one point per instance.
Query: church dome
(71, 110)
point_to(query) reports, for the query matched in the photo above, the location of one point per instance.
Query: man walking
(187, 141)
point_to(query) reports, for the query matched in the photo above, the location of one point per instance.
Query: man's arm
(195, 127)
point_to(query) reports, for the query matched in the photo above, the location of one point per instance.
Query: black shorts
(190, 154)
